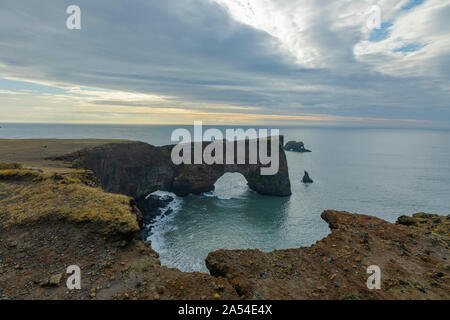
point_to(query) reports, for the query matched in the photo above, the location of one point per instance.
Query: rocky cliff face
(51, 221)
(134, 169)
(412, 255)
(138, 169)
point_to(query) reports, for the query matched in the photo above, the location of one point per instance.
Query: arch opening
(230, 185)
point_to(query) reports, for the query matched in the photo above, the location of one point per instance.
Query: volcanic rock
(306, 178)
(296, 147)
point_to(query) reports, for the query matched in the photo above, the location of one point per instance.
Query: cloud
(267, 57)
(417, 46)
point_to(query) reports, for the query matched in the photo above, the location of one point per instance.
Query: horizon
(231, 125)
(268, 126)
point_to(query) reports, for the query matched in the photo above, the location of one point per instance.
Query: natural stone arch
(138, 169)
(201, 178)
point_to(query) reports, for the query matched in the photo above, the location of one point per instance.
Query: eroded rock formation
(51, 221)
(138, 169)
(412, 256)
(306, 178)
(296, 147)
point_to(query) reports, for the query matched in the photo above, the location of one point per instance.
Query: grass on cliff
(28, 197)
(9, 165)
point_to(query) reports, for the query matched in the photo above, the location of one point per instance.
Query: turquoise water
(381, 172)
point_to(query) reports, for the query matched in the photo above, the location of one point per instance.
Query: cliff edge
(413, 261)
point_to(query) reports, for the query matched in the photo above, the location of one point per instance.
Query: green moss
(64, 197)
(19, 174)
(352, 296)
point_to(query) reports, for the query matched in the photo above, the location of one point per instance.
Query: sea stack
(306, 178)
(296, 147)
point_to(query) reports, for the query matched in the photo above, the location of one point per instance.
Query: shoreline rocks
(67, 222)
(413, 261)
(154, 205)
(151, 207)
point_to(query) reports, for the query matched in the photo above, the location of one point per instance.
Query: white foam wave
(229, 186)
(172, 206)
(162, 224)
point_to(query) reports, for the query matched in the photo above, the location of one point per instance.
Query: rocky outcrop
(73, 197)
(137, 169)
(154, 205)
(296, 147)
(413, 260)
(53, 221)
(306, 178)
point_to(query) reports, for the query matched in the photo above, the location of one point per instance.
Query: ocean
(376, 171)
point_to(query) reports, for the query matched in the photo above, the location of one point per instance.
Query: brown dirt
(110, 269)
(413, 261)
(48, 223)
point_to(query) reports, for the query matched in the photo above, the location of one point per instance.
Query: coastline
(127, 267)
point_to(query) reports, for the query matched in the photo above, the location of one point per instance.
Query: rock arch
(138, 169)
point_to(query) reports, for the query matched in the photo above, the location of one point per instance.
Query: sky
(261, 62)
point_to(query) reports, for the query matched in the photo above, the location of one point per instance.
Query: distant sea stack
(306, 178)
(296, 147)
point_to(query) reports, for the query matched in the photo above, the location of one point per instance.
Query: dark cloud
(193, 50)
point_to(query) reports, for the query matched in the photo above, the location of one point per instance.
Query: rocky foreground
(51, 221)
(412, 254)
(57, 217)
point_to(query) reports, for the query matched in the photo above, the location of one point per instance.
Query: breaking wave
(162, 223)
(229, 186)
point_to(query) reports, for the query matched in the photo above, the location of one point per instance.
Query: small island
(296, 147)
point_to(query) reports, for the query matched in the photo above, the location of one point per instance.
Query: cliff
(51, 221)
(413, 261)
(138, 169)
